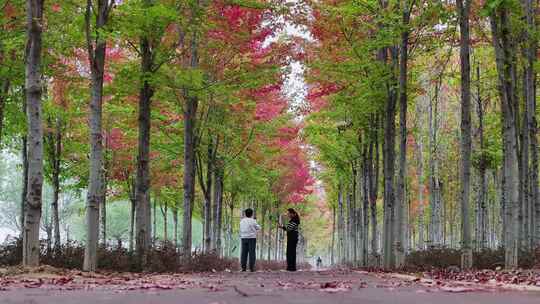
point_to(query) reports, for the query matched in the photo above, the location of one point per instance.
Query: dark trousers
(292, 241)
(248, 249)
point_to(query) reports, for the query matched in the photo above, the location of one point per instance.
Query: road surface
(308, 287)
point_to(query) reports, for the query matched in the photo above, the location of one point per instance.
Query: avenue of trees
(428, 108)
(412, 127)
(175, 106)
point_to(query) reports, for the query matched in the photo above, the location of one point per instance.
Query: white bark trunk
(33, 86)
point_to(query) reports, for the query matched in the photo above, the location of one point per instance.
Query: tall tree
(218, 206)
(464, 7)
(530, 50)
(506, 69)
(401, 224)
(190, 142)
(96, 19)
(34, 89)
(389, 56)
(482, 212)
(53, 147)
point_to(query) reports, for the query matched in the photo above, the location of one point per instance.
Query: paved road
(274, 288)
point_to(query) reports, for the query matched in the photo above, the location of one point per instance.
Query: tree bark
(208, 233)
(189, 172)
(218, 208)
(505, 59)
(154, 236)
(142, 184)
(132, 224)
(401, 224)
(96, 48)
(421, 218)
(349, 236)
(373, 175)
(333, 241)
(466, 141)
(434, 228)
(24, 192)
(358, 248)
(103, 215)
(262, 242)
(340, 225)
(54, 142)
(33, 86)
(365, 204)
(190, 113)
(530, 50)
(174, 210)
(165, 214)
(103, 203)
(483, 194)
(389, 165)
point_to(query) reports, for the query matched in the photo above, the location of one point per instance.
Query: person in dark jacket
(292, 238)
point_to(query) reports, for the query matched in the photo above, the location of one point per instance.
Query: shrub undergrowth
(162, 258)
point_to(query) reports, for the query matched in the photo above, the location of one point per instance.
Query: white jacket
(249, 228)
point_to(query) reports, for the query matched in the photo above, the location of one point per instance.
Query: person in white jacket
(248, 239)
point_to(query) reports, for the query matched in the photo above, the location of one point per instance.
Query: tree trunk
(365, 205)
(103, 211)
(434, 228)
(276, 235)
(175, 221)
(373, 175)
(96, 48)
(56, 155)
(154, 221)
(165, 222)
(332, 244)
(208, 241)
(499, 186)
(190, 112)
(218, 208)
(358, 212)
(24, 192)
(389, 166)
(132, 224)
(483, 194)
(230, 230)
(262, 243)
(466, 142)
(505, 59)
(340, 225)
(103, 203)
(33, 86)
(421, 218)
(524, 231)
(49, 231)
(401, 224)
(349, 233)
(142, 183)
(530, 52)
(535, 195)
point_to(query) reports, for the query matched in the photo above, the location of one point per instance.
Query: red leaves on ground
(519, 277)
(333, 287)
(115, 282)
(330, 287)
(472, 281)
